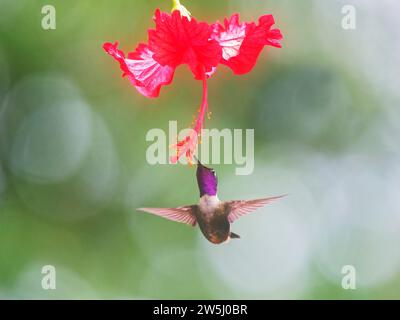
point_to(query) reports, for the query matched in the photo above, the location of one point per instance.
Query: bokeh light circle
(51, 142)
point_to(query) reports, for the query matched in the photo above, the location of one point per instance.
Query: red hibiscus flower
(179, 39)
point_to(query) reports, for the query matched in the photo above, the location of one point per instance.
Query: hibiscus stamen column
(188, 145)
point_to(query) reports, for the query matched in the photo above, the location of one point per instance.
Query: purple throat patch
(206, 180)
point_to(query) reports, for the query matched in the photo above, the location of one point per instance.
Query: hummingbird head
(206, 180)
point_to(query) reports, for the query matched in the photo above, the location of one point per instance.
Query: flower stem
(176, 5)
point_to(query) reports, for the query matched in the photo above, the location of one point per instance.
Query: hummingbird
(213, 216)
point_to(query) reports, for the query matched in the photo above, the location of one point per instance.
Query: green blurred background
(325, 110)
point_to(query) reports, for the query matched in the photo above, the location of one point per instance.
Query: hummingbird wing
(180, 214)
(239, 208)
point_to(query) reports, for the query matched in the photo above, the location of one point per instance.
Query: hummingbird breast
(212, 219)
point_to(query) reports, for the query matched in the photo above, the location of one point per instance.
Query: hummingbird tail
(234, 236)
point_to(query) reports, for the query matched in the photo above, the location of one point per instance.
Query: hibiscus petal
(112, 50)
(146, 74)
(177, 40)
(231, 37)
(210, 73)
(241, 43)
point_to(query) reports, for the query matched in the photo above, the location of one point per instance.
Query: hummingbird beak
(197, 160)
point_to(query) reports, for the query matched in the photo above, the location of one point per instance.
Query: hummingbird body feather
(209, 204)
(213, 221)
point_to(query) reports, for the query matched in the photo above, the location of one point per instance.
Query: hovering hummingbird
(213, 216)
